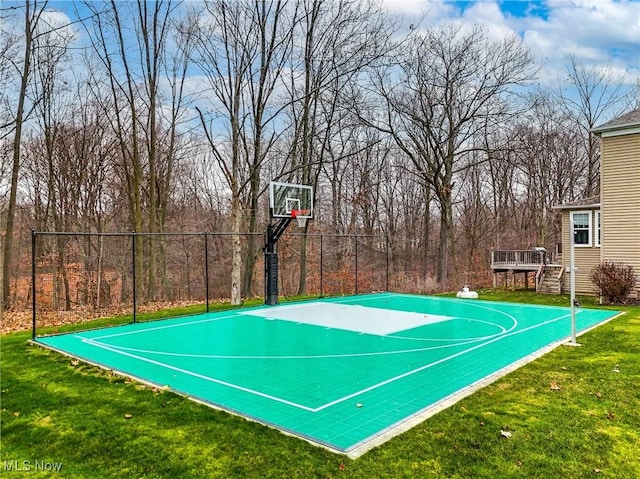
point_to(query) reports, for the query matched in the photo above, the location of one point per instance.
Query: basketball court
(345, 373)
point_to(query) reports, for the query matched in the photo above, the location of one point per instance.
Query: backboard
(287, 197)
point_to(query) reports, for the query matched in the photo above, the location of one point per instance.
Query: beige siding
(585, 257)
(620, 199)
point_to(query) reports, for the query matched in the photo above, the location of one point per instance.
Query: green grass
(97, 424)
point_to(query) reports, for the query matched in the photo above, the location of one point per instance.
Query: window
(581, 228)
(597, 228)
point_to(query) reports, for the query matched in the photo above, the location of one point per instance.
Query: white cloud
(405, 7)
(58, 26)
(424, 12)
(596, 33)
(490, 15)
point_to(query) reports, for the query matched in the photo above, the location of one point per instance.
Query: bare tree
(50, 66)
(592, 95)
(242, 49)
(475, 221)
(446, 88)
(32, 14)
(553, 169)
(335, 42)
(147, 137)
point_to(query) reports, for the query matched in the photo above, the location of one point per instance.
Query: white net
(302, 221)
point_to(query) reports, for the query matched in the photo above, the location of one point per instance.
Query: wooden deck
(517, 260)
(513, 262)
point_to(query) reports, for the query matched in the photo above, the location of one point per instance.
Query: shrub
(613, 280)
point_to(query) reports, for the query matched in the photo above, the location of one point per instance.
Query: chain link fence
(92, 280)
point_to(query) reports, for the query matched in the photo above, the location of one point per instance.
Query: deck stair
(535, 261)
(550, 281)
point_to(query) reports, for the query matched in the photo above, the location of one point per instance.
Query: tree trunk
(236, 249)
(251, 256)
(446, 221)
(15, 170)
(302, 282)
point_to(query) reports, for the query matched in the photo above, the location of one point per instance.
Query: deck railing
(514, 258)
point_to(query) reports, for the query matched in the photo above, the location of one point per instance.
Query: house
(607, 227)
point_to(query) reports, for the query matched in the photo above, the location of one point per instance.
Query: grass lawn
(573, 413)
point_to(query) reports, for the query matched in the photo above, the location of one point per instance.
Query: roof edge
(576, 207)
(599, 130)
(627, 121)
(590, 202)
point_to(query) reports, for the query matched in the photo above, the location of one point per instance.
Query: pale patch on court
(350, 317)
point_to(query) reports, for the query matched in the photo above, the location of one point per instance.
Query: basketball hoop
(286, 202)
(300, 216)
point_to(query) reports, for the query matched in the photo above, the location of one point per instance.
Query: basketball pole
(572, 267)
(271, 259)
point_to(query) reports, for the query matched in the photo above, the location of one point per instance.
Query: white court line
(237, 312)
(449, 300)
(332, 403)
(435, 363)
(197, 375)
(167, 326)
(464, 342)
(317, 356)
(442, 340)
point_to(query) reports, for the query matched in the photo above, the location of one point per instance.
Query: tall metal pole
(133, 258)
(572, 266)
(33, 284)
(206, 270)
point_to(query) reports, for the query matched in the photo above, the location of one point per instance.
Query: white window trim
(589, 228)
(597, 228)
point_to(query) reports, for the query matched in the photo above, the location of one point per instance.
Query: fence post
(386, 248)
(206, 270)
(321, 266)
(133, 258)
(356, 248)
(33, 284)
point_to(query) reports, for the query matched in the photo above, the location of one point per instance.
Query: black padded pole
(271, 260)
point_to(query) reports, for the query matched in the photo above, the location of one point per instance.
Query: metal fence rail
(94, 280)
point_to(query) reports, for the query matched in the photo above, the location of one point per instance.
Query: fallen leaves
(555, 386)
(14, 321)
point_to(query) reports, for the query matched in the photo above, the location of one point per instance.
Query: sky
(598, 33)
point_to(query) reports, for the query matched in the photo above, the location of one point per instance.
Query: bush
(613, 280)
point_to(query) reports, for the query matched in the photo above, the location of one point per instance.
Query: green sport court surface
(346, 373)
